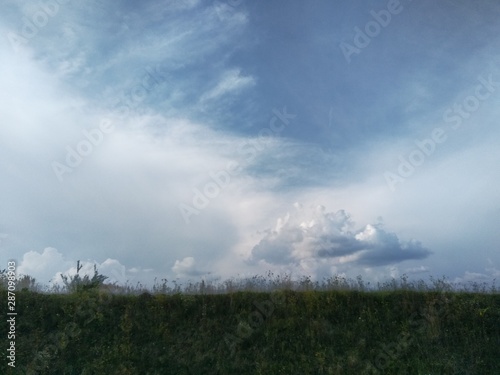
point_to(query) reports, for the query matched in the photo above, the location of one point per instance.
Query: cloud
(118, 273)
(48, 266)
(42, 266)
(231, 82)
(115, 272)
(491, 273)
(382, 248)
(317, 234)
(229, 11)
(416, 270)
(186, 267)
(220, 68)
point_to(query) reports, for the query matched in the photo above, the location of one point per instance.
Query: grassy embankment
(337, 327)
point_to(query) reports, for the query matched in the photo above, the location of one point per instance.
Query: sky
(198, 139)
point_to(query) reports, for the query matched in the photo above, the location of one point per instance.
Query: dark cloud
(386, 248)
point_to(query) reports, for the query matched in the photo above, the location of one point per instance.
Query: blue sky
(187, 139)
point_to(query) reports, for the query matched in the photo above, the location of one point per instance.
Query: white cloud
(314, 235)
(46, 267)
(416, 270)
(115, 272)
(231, 82)
(43, 266)
(230, 11)
(186, 267)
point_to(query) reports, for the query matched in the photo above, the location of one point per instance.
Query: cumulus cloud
(119, 274)
(115, 272)
(317, 234)
(48, 266)
(186, 267)
(43, 266)
(381, 247)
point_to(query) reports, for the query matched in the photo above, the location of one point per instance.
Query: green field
(336, 327)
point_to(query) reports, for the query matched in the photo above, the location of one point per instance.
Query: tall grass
(270, 324)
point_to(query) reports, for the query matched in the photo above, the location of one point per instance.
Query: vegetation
(263, 325)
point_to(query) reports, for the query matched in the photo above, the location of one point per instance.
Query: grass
(262, 325)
